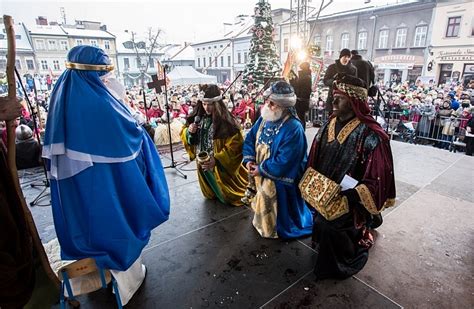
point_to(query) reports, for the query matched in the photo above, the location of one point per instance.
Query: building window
(383, 39)
(138, 62)
(345, 40)
(420, 36)
(3, 64)
(210, 61)
(44, 64)
(285, 45)
(39, 44)
(79, 42)
(222, 61)
(30, 64)
(52, 45)
(94, 43)
(197, 49)
(246, 57)
(401, 38)
(64, 45)
(18, 64)
(329, 41)
(199, 62)
(126, 63)
(107, 44)
(215, 62)
(151, 63)
(239, 58)
(454, 23)
(228, 61)
(56, 65)
(362, 41)
(204, 62)
(317, 40)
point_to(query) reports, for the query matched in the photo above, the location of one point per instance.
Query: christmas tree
(263, 60)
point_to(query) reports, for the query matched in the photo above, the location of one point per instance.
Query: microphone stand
(45, 182)
(173, 163)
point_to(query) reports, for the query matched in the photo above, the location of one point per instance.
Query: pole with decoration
(33, 232)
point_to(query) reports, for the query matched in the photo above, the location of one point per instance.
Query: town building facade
(394, 37)
(25, 57)
(451, 50)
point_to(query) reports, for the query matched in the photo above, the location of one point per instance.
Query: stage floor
(208, 255)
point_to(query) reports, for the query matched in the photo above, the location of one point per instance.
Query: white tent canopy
(187, 75)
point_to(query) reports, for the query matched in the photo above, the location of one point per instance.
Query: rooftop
(46, 30)
(236, 30)
(21, 40)
(73, 32)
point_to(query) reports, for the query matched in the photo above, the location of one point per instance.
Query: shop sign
(395, 66)
(457, 55)
(397, 59)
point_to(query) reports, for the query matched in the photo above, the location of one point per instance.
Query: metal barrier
(317, 116)
(441, 131)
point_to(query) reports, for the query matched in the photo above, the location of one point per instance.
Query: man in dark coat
(28, 150)
(302, 86)
(341, 65)
(351, 144)
(365, 70)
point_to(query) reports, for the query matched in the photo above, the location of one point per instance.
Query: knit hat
(344, 52)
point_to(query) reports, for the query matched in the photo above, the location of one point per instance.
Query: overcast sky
(180, 20)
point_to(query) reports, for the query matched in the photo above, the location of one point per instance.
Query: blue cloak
(108, 187)
(285, 167)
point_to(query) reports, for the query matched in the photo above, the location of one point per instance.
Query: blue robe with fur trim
(285, 167)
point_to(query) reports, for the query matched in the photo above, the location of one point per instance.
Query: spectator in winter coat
(302, 86)
(365, 70)
(341, 65)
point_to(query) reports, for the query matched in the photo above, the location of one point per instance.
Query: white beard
(269, 115)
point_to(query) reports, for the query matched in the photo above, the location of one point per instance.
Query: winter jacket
(302, 86)
(328, 79)
(365, 70)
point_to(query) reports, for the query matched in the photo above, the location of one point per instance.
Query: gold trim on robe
(344, 133)
(366, 199)
(368, 202)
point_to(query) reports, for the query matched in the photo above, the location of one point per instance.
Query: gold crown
(89, 67)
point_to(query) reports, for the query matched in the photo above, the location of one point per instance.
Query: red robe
(356, 150)
(184, 110)
(154, 113)
(241, 110)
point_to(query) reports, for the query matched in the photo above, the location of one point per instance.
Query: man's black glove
(352, 196)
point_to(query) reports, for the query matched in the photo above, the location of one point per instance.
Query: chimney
(42, 21)
(103, 27)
